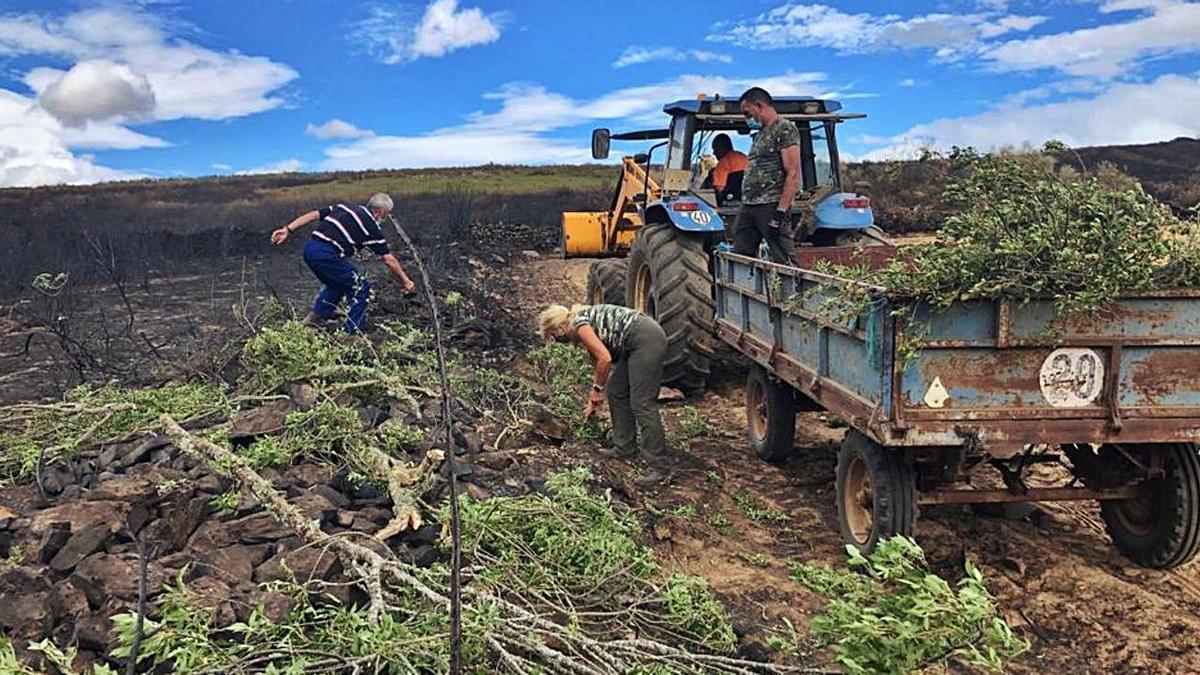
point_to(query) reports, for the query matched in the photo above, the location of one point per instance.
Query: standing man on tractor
(769, 186)
(343, 231)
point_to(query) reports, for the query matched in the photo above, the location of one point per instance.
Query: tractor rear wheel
(606, 281)
(669, 280)
(1161, 527)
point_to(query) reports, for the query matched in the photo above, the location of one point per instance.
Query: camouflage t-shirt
(611, 323)
(763, 181)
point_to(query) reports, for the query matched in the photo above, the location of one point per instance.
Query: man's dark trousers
(754, 224)
(342, 280)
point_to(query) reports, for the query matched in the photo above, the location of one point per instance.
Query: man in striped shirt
(342, 231)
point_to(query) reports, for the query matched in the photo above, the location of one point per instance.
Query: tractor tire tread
(778, 443)
(606, 281)
(894, 506)
(684, 304)
(1177, 539)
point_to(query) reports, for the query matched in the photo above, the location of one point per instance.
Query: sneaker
(616, 453)
(313, 321)
(654, 477)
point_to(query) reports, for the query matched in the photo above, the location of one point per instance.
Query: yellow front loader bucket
(589, 234)
(583, 233)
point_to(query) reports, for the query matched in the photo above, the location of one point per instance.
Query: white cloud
(34, 148)
(104, 136)
(520, 130)
(222, 167)
(1125, 113)
(908, 82)
(816, 25)
(186, 80)
(125, 67)
(290, 165)
(634, 55)
(393, 37)
(98, 90)
(335, 128)
(1111, 50)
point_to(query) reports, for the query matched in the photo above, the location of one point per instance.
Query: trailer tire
(876, 493)
(669, 279)
(770, 415)
(606, 281)
(1161, 529)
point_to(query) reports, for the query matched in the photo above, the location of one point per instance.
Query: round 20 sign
(1072, 377)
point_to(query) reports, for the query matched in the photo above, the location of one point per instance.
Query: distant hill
(907, 194)
(151, 226)
(1170, 171)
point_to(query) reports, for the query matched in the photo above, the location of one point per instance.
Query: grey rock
(53, 540)
(80, 545)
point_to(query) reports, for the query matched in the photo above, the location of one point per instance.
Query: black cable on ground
(451, 463)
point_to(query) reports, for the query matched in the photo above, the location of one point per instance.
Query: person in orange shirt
(727, 174)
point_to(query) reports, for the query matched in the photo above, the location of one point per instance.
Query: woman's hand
(279, 236)
(595, 400)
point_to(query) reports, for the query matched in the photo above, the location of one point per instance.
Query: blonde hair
(557, 316)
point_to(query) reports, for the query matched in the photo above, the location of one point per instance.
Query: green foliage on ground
(277, 355)
(888, 613)
(312, 633)
(571, 548)
(756, 511)
(61, 660)
(566, 373)
(91, 415)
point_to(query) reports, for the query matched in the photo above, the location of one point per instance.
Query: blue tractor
(666, 221)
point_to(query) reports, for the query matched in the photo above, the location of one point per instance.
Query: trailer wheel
(876, 493)
(606, 282)
(669, 280)
(770, 415)
(1161, 528)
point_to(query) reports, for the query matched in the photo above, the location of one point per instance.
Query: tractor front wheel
(669, 280)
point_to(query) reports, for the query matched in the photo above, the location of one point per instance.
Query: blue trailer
(1114, 398)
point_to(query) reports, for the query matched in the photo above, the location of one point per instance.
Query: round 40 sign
(1072, 377)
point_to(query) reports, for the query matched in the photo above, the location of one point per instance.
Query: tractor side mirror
(641, 158)
(601, 139)
(862, 186)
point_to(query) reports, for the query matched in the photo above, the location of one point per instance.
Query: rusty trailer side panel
(997, 372)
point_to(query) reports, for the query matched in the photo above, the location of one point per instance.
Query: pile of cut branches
(1024, 231)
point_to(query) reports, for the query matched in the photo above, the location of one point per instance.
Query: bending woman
(627, 350)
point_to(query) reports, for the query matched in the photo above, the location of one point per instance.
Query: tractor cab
(679, 193)
(655, 240)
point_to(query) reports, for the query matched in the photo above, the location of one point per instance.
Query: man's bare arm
(398, 271)
(279, 236)
(791, 167)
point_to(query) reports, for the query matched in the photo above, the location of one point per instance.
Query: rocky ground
(73, 558)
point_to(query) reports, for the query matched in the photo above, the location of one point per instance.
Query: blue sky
(97, 91)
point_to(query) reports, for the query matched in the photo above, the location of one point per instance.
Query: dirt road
(1058, 581)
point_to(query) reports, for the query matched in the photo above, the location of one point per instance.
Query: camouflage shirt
(611, 323)
(763, 181)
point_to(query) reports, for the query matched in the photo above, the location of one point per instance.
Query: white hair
(380, 202)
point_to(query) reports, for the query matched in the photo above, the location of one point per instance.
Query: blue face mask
(754, 124)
